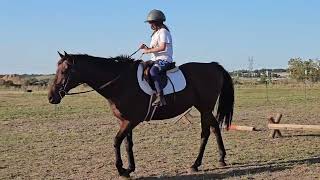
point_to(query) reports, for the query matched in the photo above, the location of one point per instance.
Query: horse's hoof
(222, 164)
(125, 174)
(192, 170)
(124, 178)
(130, 170)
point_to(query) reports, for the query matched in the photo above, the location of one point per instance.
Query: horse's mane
(116, 59)
(122, 58)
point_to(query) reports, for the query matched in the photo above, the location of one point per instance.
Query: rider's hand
(143, 46)
(146, 51)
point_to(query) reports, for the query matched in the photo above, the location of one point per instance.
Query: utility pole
(250, 66)
(267, 83)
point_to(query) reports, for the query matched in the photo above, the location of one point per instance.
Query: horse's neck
(108, 82)
(97, 77)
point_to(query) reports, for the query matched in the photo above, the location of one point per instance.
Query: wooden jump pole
(294, 127)
(276, 127)
(185, 116)
(242, 128)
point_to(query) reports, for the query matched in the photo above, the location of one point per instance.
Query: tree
(30, 82)
(304, 70)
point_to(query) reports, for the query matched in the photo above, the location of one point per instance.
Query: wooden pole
(185, 116)
(242, 128)
(294, 127)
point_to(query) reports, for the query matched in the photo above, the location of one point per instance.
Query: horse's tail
(226, 100)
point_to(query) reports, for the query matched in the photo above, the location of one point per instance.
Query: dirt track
(74, 140)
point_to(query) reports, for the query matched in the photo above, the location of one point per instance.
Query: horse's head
(65, 79)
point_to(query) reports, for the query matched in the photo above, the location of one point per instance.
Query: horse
(115, 78)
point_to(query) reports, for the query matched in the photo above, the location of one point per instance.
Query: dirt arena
(74, 140)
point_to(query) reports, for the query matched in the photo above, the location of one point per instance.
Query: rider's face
(153, 25)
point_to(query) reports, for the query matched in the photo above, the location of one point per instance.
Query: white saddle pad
(176, 77)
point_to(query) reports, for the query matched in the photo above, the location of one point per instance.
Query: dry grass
(74, 139)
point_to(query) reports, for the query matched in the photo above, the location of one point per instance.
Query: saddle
(163, 76)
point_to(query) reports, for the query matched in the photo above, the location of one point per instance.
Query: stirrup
(159, 101)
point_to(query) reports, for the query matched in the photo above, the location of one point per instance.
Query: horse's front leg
(129, 145)
(125, 128)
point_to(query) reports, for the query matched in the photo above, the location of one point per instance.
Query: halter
(62, 89)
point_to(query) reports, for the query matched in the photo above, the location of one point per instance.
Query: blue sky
(272, 31)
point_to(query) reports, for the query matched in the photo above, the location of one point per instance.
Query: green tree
(304, 70)
(296, 68)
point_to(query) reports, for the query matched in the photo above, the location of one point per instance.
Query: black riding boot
(159, 101)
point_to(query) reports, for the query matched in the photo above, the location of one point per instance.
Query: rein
(135, 53)
(62, 90)
(79, 92)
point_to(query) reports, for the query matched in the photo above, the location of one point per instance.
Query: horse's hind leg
(129, 145)
(205, 133)
(207, 121)
(216, 130)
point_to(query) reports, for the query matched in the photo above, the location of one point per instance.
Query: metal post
(305, 84)
(267, 83)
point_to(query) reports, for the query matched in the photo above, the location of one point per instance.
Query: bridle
(62, 90)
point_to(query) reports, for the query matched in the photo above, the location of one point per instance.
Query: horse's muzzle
(54, 99)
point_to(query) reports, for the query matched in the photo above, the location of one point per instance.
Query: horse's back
(203, 72)
(205, 80)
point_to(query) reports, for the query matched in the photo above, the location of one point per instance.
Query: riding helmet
(156, 15)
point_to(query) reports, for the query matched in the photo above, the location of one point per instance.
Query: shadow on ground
(301, 135)
(240, 170)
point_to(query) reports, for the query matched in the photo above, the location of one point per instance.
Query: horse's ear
(60, 55)
(65, 54)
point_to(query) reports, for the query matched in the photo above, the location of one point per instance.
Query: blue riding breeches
(158, 67)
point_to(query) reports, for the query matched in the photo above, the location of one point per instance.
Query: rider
(160, 49)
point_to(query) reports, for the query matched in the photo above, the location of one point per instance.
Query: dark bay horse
(116, 80)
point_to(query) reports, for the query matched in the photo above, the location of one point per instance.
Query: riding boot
(160, 100)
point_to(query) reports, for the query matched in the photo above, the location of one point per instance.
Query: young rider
(160, 49)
